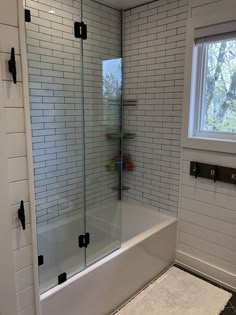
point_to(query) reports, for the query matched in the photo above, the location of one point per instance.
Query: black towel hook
(12, 65)
(21, 214)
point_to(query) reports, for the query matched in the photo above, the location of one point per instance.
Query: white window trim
(211, 141)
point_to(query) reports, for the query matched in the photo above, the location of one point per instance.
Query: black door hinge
(80, 29)
(84, 240)
(40, 260)
(27, 15)
(62, 278)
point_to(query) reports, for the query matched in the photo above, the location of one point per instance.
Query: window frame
(210, 141)
(199, 100)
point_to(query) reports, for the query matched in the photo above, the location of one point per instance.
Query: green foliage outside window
(219, 110)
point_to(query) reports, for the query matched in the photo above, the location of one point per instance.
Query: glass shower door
(102, 86)
(55, 85)
(75, 107)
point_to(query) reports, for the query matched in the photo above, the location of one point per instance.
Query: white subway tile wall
(154, 47)
(103, 44)
(55, 78)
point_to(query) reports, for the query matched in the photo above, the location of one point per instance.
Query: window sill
(210, 144)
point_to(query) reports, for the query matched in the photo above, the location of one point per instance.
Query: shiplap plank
(207, 258)
(16, 145)
(12, 94)
(9, 38)
(209, 185)
(209, 235)
(209, 210)
(210, 197)
(208, 222)
(17, 169)
(207, 247)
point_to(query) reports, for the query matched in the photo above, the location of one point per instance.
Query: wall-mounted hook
(196, 170)
(12, 65)
(21, 214)
(233, 177)
(214, 173)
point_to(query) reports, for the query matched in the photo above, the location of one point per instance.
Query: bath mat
(178, 293)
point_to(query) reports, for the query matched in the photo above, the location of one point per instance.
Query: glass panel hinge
(84, 240)
(40, 260)
(80, 30)
(27, 15)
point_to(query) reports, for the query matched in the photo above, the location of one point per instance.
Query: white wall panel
(207, 231)
(17, 169)
(13, 94)
(15, 120)
(9, 38)
(8, 12)
(16, 145)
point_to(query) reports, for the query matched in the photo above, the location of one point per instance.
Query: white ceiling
(124, 4)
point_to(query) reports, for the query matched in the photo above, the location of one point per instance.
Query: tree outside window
(219, 87)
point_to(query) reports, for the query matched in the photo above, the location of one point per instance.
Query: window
(112, 91)
(214, 87)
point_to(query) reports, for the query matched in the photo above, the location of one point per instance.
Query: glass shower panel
(55, 84)
(102, 68)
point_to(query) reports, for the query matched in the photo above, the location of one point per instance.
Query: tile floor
(230, 308)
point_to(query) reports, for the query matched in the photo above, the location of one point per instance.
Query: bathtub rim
(168, 221)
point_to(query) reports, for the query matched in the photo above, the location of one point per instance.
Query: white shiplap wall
(17, 158)
(207, 230)
(207, 212)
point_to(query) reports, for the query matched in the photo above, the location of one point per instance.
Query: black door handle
(12, 65)
(21, 214)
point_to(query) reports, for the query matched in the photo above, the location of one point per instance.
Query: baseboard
(220, 276)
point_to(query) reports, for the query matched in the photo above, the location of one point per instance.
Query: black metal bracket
(80, 30)
(62, 278)
(21, 214)
(27, 15)
(213, 172)
(40, 260)
(12, 65)
(84, 240)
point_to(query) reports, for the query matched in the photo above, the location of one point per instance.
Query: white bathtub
(148, 248)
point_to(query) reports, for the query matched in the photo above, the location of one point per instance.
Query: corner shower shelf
(117, 188)
(126, 103)
(130, 103)
(119, 136)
